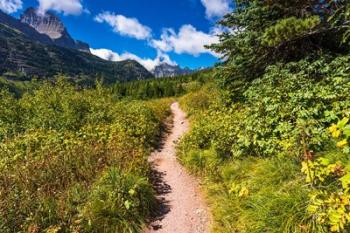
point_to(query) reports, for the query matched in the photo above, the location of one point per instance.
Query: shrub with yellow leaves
(341, 132)
(329, 204)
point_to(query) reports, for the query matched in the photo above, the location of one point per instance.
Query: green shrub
(118, 202)
(73, 159)
(249, 151)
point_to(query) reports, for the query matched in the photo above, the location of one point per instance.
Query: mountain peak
(46, 23)
(51, 25)
(166, 70)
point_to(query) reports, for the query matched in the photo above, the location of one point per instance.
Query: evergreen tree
(267, 32)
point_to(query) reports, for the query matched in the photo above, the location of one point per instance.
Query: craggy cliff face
(50, 25)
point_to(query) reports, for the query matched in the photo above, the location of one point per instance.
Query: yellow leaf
(132, 192)
(244, 192)
(53, 229)
(333, 128)
(336, 134)
(334, 228)
(342, 143)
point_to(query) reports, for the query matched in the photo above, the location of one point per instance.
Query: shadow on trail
(161, 189)
(182, 208)
(157, 179)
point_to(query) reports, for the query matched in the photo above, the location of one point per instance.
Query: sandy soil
(183, 208)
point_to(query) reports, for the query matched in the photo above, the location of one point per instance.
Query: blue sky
(150, 31)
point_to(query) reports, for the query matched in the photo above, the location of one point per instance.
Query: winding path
(183, 208)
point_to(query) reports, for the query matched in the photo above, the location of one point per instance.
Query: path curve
(184, 209)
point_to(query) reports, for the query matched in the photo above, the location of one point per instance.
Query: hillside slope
(23, 56)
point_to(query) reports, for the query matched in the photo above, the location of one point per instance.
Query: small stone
(198, 211)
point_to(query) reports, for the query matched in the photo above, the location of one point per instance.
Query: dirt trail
(183, 207)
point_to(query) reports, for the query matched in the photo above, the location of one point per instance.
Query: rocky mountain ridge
(167, 70)
(25, 53)
(25, 29)
(52, 26)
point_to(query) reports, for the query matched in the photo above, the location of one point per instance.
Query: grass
(76, 161)
(274, 200)
(247, 194)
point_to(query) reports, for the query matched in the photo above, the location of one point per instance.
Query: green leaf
(341, 124)
(324, 161)
(345, 180)
(128, 204)
(346, 131)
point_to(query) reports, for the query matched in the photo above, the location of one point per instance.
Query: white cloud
(188, 40)
(125, 26)
(68, 7)
(105, 54)
(10, 6)
(216, 8)
(148, 63)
